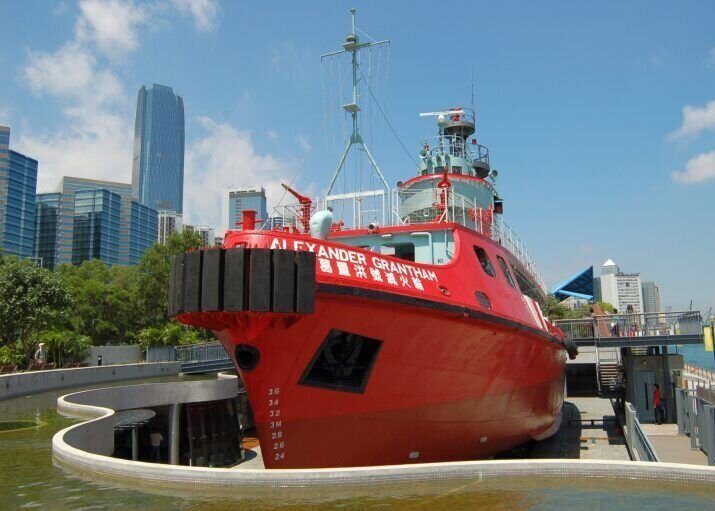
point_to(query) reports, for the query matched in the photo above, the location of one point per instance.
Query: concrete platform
(672, 447)
(589, 430)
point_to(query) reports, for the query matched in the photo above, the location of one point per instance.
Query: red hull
(450, 381)
(440, 387)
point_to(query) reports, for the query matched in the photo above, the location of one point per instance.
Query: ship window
(343, 362)
(483, 299)
(506, 271)
(484, 261)
(404, 251)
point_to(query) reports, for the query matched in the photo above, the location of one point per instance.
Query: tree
(106, 300)
(31, 299)
(66, 346)
(153, 275)
(172, 334)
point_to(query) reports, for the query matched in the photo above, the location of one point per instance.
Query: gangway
(635, 330)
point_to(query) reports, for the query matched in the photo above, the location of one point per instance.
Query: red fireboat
(415, 338)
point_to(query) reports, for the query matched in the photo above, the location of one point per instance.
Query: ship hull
(444, 385)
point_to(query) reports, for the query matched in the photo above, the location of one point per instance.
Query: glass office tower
(97, 218)
(47, 216)
(18, 185)
(158, 165)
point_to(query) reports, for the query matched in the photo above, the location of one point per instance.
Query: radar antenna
(353, 45)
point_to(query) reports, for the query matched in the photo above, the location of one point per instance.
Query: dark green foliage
(78, 306)
(31, 300)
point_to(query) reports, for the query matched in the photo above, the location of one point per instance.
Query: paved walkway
(671, 447)
(589, 430)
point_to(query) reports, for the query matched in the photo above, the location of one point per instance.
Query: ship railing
(653, 328)
(446, 205)
(440, 145)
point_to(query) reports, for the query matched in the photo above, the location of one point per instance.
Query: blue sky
(600, 116)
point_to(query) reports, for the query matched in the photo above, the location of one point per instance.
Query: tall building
(65, 223)
(143, 225)
(47, 215)
(622, 290)
(206, 233)
(241, 199)
(169, 223)
(651, 297)
(158, 165)
(96, 223)
(18, 186)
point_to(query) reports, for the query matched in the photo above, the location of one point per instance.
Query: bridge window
(506, 271)
(404, 251)
(484, 261)
(343, 362)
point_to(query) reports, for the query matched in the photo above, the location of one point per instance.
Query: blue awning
(578, 286)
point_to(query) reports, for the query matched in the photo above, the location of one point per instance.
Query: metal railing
(439, 145)
(665, 326)
(205, 357)
(638, 442)
(431, 204)
(696, 418)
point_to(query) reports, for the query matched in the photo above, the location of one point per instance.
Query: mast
(353, 45)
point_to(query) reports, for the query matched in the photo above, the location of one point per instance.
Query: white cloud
(226, 157)
(111, 24)
(697, 170)
(204, 12)
(695, 120)
(95, 139)
(304, 142)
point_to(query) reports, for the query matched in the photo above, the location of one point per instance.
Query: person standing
(156, 440)
(658, 404)
(41, 354)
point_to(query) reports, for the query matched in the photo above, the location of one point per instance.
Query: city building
(169, 223)
(651, 297)
(143, 226)
(18, 186)
(47, 215)
(206, 233)
(218, 241)
(622, 290)
(96, 223)
(158, 164)
(241, 199)
(80, 209)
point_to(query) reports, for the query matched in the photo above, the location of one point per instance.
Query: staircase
(609, 374)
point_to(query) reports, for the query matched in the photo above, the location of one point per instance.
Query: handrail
(653, 324)
(638, 442)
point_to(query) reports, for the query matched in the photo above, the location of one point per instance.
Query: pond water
(28, 479)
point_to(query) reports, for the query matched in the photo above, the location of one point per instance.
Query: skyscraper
(158, 165)
(18, 185)
(120, 228)
(651, 297)
(47, 216)
(241, 199)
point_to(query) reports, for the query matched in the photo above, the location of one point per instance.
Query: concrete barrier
(115, 355)
(32, 382)
(78, 448)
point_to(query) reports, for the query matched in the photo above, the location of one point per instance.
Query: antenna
(353, 45)
(474, 105)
